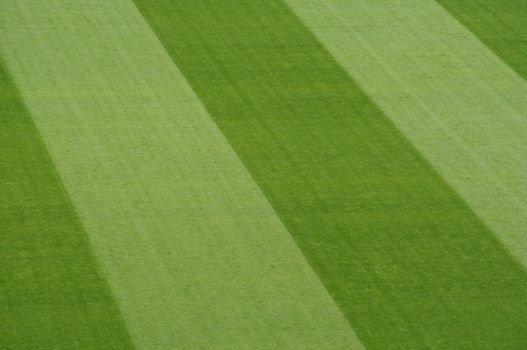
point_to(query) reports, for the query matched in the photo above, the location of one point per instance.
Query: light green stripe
(459, 104)
(195, 255)
(501, 25)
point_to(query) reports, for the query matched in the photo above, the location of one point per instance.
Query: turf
(237, 174)
(408, 262)
(501, 25)
(462, 107)
(195, 255)
(52, 295)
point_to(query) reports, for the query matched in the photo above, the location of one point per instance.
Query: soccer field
(263, 174)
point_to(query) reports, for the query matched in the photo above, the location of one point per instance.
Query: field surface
(278, 174)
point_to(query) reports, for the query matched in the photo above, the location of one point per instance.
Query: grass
(250, 175)
(500, 25)
(52, 295)
(195, 256)
(452, 98)
(386, 235)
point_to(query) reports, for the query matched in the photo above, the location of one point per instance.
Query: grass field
(278, 174)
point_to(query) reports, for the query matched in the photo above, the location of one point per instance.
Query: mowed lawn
(268, 174)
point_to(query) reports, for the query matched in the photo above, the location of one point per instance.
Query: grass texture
(501, 25)
(52, 295)
(278, 174)
(195, 255)
(460, 106)
(384, 232)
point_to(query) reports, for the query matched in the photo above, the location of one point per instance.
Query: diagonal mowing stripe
(195, 255)
(501, 25)
(459, 104)
(52, 295)
(407, 261)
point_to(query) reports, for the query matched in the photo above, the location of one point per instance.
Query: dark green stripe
(405, 259)
(52, 295)
(501, 25)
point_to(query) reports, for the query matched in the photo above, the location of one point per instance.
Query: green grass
(238, 174)
(501, 25)
(452, 98)
(408, 262)
(52, 295)
(194, 254)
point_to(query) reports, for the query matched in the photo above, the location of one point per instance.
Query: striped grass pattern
(278, 174)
